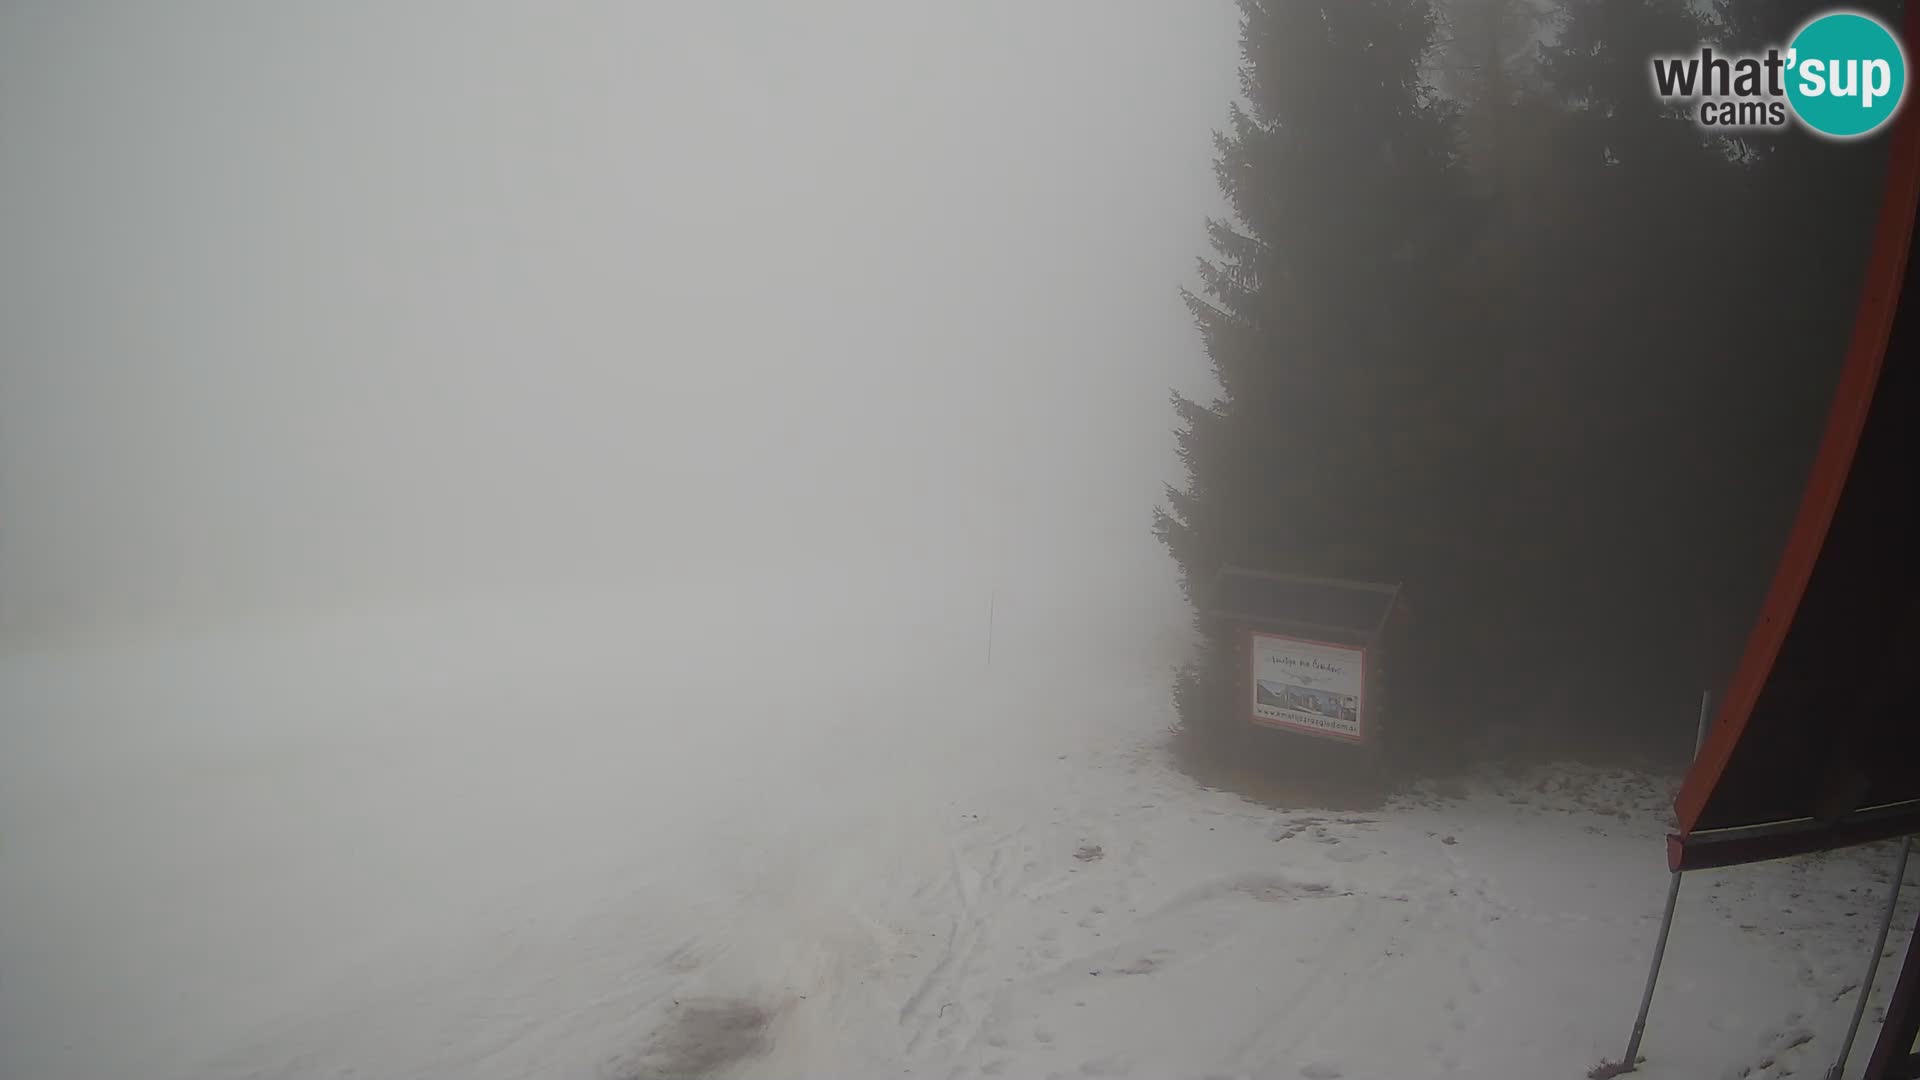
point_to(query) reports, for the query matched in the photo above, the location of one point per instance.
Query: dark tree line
(1491, 321)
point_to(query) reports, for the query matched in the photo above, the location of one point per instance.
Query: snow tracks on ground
(1103, 918)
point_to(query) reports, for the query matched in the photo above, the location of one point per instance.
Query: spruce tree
(1487, 58)
(1342, 442)
(1636, 300)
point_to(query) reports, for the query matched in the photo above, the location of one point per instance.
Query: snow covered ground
(761, 829)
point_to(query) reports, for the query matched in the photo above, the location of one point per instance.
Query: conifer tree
(1343, 439)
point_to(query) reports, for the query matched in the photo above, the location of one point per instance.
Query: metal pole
(1706, 721)
(1631, 1061)
(1873, 962)
(992, 599)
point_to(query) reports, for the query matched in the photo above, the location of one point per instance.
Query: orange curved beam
(1872, 325)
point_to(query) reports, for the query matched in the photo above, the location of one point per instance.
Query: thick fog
(480, 485)
(638, 540)
(321, 306)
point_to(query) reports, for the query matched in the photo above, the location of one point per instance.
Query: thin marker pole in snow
(1873, 962)
(1706, 720)
(992, 597)
(1631, 1062)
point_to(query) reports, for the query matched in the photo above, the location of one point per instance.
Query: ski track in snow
(1364, 948)
(1017, 884)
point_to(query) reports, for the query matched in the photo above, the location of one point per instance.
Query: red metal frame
(1360, 699)
(1873, 324)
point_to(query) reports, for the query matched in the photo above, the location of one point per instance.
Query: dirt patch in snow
(1280, 771)
(699, 1039)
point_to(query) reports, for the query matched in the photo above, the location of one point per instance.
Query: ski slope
(789, 832)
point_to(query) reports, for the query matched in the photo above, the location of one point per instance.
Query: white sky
(301, 300)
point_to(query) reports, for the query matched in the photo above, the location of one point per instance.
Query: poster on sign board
(1308, 686)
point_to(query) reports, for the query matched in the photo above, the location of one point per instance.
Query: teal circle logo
(1847, 74)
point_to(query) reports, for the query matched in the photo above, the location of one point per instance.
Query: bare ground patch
(1279, 771)
(700, 1039)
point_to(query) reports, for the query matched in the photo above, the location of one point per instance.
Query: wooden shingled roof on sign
(1327, 608)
